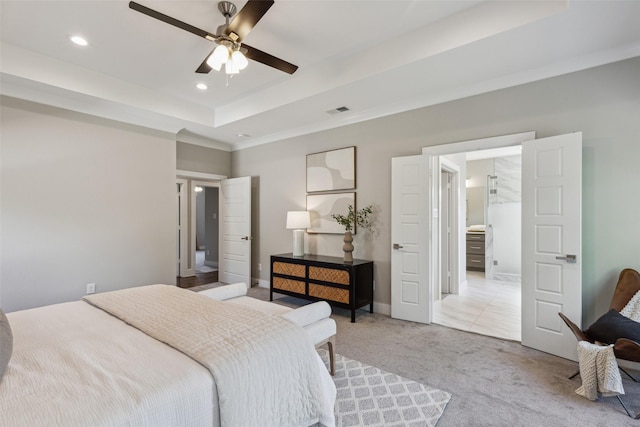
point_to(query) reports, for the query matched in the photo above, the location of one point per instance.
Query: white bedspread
(264, 366)
(75, 365)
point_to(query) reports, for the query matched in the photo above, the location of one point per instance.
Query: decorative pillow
(632, 309)
(613, 325)
(6, 343)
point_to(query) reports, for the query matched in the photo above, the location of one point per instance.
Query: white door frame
(453, 213)
(432, 159)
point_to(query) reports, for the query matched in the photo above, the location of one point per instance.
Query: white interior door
(410, 299)
(551, 242)
(235, 231)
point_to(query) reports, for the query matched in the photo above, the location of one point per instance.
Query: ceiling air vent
(338, 110)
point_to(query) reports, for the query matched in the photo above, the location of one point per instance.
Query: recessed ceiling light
(79, 40)
(201, 86)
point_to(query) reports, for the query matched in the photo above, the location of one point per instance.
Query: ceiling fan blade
(270, 60)
(172, 21)
(248, 17)
(205, 68)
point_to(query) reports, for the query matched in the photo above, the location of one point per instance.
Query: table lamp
(298, 221)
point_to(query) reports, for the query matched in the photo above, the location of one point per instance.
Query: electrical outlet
(91, 288)
(259, 266)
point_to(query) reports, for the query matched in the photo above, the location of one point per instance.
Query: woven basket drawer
(288, 285)
(296, 270)
(341, 277)
(329, 293)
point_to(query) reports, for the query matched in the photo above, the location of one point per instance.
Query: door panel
(235, 231)
(551, 220)
(409, 291)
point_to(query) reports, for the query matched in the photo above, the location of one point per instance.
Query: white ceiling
(375, 57)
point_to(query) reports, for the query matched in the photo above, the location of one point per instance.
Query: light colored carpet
(368, 396)
(493, 382)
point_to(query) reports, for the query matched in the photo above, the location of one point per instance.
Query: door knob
(571, 259)
(247, 238)
(397, 246)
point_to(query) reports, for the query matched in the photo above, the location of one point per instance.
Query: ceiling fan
(230, 50)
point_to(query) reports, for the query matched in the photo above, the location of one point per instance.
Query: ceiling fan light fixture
(214, 63)
(239, 60)
(231, 68)
(220, 54)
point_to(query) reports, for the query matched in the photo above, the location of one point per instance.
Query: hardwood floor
(487, 307)
(197, 280)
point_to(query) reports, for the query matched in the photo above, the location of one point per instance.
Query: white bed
(75, 364)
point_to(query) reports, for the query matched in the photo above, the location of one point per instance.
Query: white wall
(83, 200)
(603, 103)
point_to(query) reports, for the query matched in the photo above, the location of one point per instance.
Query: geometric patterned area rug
(368, 396)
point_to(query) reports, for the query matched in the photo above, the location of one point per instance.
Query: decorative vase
(348, 247)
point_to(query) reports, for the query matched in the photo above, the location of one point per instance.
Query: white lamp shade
(211, 62)
(230, 67)
(239, 60)
(298, 220)
(221, 54)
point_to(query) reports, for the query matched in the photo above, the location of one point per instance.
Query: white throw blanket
(258, 361)
(598, 370)
(632, 309)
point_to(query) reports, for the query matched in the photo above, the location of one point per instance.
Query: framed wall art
(322, 206)
(331, 170)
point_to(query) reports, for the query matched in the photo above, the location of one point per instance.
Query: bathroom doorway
(489, 302)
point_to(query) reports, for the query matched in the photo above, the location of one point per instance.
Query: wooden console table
(318, 277)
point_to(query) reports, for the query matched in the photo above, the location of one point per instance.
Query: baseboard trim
(381, 308)
(262, 283)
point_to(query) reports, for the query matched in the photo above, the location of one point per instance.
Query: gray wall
(84, 200)
(603, 103)
(196, 158)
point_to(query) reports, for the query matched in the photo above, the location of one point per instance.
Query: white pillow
(632, 309)
(310, 313)
(222, 293)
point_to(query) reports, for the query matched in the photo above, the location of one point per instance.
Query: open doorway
(207, 229)
(198, 231)
(489, 302)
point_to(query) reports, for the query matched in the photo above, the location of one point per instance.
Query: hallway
(487, 307)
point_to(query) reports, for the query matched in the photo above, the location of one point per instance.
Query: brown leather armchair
(623, 348)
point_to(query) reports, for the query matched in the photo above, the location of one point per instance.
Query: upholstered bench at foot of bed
(314, 318)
